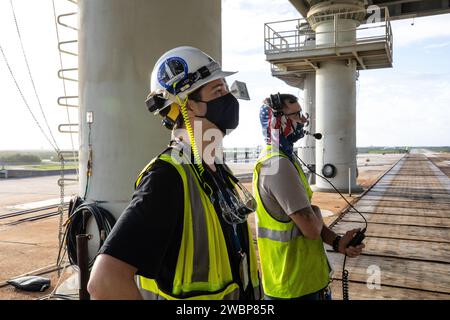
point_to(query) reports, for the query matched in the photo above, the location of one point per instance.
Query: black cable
(89, 163)
(345, 275)
(77, 224)
(345, 285)
(329, 182)
(73, 204)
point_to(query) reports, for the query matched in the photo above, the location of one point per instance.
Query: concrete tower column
(119, 43)
(336, 93)
(307, 149)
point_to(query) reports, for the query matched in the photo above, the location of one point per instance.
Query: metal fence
(296, 34)
(237, 155)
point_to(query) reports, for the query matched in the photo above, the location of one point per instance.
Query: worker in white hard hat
(185, 233)
(290, 230)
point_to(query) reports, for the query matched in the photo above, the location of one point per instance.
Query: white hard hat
(182, 70)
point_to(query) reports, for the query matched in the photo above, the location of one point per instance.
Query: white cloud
(243, 23)
(425, 28)
(408, 109)
(438, 45)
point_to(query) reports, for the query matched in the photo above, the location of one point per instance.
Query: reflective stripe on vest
(277, 235)
(151, 292)
(292, 265)
(203, 269)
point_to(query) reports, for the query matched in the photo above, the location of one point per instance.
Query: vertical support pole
(83, 265)
(335, 29)
(349, 182)
(387, 27)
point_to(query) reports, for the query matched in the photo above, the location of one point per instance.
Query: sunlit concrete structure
(403, 9)
(119, 43)
(347, 39)
(350, 35)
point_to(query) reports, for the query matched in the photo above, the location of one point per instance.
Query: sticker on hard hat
(172, 71)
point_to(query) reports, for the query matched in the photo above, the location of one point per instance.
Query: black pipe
(83, 265)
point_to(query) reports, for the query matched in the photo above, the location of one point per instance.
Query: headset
(276, 104)
(157, 103)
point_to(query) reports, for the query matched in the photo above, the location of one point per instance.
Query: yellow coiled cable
(184, 113)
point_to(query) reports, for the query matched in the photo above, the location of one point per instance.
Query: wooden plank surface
(425, 221)
(413, 196)
(434, 185)
(408, 235)
(388, 197)
(398, 231)
(431, 276)
(402, 211)
(406, 249)
(408, 204)
(407, 192)
(360, 291)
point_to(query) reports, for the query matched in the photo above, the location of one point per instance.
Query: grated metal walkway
(408, 236)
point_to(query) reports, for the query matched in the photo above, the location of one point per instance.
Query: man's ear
(192, 108)
(191, 105)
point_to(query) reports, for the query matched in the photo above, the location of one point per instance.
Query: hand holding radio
(351, 243)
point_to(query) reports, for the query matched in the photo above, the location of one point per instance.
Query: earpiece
(155, 102)
(170, 116)
(276, 104)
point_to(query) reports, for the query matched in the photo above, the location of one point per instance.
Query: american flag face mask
(273, 126)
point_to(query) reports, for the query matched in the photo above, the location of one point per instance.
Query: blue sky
(405, 105)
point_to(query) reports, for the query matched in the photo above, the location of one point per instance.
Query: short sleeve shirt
(148, 233)
(281, 190)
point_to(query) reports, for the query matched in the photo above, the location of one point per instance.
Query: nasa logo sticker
(171, 71)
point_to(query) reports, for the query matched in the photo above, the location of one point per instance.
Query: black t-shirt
(148, 233)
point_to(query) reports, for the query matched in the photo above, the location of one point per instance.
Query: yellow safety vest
(203, 270)
(292, 265)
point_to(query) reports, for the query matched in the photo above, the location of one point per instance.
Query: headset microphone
(317, 136)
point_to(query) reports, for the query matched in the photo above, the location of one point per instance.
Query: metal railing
(296, 34)
(240, 155)
(69, 21)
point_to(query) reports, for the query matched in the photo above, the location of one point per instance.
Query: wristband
(336, 243)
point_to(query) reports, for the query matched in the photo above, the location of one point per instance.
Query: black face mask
(223, 112)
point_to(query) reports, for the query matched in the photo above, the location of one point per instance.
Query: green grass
(381, 150)
(50, 166)
(387, 151)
